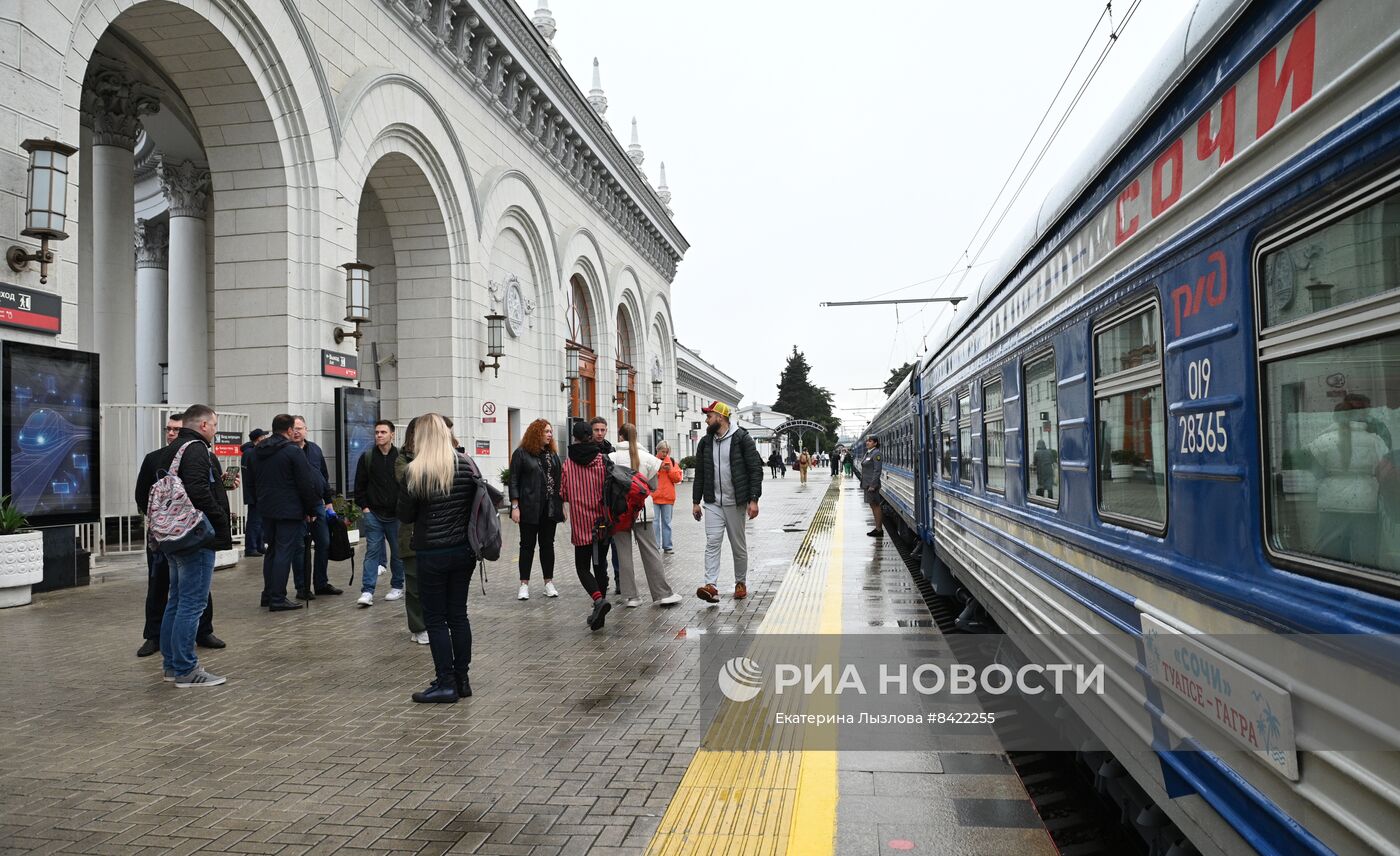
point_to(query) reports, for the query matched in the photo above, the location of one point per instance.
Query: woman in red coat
(582, 488)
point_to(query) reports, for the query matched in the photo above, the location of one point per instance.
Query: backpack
(339, 549)
(173, 524)
(625, 493)
(483, 521)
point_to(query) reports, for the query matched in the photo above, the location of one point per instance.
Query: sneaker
(668, 551)
(708, 593)
(199, 678)
(149, 647)
(366, 599)
(524, 593)
(875, 533)
(421, 637)
(438, 692)
(394, 594)
(669, 600)
(168, 675)
(633, 603)
(601, 607)
(550, 590)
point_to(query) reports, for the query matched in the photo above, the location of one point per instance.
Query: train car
(1162, 434)
(896, 425)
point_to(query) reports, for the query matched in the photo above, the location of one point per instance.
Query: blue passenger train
(1168, 421)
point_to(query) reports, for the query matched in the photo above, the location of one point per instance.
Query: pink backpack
(173, 523)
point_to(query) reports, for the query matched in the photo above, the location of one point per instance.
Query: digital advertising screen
(356, 411)
(50, 427)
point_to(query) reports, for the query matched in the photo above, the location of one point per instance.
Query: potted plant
(351, 513)
(1298, 476)
(688, 467)
(1120, 464)
(21, 556)
(505, 476)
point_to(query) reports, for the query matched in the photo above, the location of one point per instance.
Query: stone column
(152, 256)
(186, 186)
(115, 104)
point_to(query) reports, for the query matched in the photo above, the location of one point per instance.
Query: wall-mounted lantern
(46, 209)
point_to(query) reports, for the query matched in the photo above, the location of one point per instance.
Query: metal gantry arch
(800, 427)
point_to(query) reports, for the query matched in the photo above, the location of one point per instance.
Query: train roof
(1193, 38)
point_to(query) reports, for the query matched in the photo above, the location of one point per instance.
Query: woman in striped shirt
(582, 488)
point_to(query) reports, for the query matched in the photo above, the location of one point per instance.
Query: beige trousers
(652, 563)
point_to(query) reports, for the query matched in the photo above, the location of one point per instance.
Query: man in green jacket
(729, 480)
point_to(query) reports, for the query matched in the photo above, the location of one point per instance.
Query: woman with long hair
(582, 488)
(436, 497)
(535, 476)
(630, 454)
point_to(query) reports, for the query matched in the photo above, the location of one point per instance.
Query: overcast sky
(821, 151)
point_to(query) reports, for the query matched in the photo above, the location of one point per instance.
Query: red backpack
(625, 493)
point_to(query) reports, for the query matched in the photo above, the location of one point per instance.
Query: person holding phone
(665, 497)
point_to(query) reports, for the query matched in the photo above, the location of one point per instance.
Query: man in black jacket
(157, 568)
(252, 532)
(729, 479)
(192, 569)
(289, 494)
(377, 495)
(317, 526)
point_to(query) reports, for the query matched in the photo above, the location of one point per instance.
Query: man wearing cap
(729, 480)
(252, 530)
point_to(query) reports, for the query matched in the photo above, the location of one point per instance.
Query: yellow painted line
(777, 800)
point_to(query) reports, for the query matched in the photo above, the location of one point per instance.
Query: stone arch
(511, 192)
(254, 121)
(517, 257)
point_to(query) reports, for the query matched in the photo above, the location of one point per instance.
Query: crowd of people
(418, 504)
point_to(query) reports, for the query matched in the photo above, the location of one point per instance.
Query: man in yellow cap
(729, 480)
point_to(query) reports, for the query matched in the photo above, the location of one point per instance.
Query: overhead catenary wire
(973, 260)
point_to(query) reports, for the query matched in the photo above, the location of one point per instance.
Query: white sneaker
(366, 598)
(421, 637)
(394, 594)
(550, 590)
(669, 600)
(633, 603)
(524, 593)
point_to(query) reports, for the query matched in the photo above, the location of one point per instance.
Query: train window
(1332, 391)
(1043, 425)
(1128, 407)
(965, 437)
(945, 439)
(993, 435)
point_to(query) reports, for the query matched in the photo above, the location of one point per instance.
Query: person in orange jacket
(664, 499)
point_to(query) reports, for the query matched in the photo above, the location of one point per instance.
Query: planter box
(1120, 472)
(21, 566)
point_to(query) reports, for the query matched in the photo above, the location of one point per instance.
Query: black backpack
(617, 484)
(339, 549)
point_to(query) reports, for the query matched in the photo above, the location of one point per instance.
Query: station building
(242, 165)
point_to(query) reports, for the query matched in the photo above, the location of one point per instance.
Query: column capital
(152, 244)
(186, 187)
(114, 102)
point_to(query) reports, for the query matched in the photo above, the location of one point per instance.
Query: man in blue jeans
(377, 495)
(192, 570)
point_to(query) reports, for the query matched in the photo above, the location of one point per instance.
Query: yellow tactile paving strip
(773, 800)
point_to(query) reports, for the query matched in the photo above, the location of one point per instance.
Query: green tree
(801, 399)
(897, 377)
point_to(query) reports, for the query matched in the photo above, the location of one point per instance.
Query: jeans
(663, 525)
(191, 573)
(443, 581)
(253, 532)
(719, 521)
(283, 548)
(321, 539)
(543, 534)
(380, 534)
(158, 590)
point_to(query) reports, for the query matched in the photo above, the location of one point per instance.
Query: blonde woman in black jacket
(436, 497)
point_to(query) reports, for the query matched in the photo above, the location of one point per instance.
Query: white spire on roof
(634, 150)
(544, 21)
(663, 192)
(596, 96)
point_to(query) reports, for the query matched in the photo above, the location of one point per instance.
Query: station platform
(574, 742)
